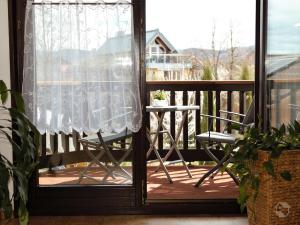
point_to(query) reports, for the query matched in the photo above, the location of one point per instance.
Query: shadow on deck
(158, 187)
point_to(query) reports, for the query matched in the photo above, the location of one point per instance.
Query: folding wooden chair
(210, 140)
(105, 143)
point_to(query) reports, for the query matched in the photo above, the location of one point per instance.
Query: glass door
(78, 56)
(283, 61)
(201, 54)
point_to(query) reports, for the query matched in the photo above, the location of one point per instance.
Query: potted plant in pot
(160, 98)
(268, 165)
(21, 134)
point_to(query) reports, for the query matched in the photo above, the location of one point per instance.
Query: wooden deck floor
(221, 187)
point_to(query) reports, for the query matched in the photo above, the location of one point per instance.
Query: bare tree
(215, 53)
(212, 57)
(232, 52)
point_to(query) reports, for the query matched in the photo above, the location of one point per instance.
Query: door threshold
(150, 201)
(193, 206)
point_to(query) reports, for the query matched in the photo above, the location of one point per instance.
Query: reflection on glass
(283, 61)
(64, 161)
(78, 72)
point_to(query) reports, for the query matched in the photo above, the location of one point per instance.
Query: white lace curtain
(79, 67)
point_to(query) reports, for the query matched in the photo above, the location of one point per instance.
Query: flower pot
(278, 200)
(159, 103)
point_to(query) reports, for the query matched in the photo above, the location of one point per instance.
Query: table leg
(152, 145)
(153, 141)
(175, 142)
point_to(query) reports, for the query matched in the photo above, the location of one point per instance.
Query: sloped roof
(279, 63)
(153, 34)
(122, 44)
(115, 45)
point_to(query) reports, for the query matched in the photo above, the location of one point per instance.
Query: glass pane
(197, 41)
(282, 61)
(64, 161)
(82, 57)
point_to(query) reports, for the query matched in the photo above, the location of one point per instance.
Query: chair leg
(118, 163)
(215, 168)
(206, 175)
(94, 160)
(115, 163)
(212, 156)
(235, 179)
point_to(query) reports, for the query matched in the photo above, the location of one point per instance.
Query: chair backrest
(249, 117)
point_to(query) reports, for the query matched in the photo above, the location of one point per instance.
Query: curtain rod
(82, 3)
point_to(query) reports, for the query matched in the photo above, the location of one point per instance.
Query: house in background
(163, 61)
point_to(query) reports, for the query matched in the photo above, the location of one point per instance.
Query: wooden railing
(232, 94)
(62, 149)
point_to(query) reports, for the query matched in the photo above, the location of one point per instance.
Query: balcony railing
(61, 149)
(169, 61)
(226, 95)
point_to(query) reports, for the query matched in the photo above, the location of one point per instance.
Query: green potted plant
(22, 135)
(160, 98)
(268, 165)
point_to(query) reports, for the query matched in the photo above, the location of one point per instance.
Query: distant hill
(242, 54)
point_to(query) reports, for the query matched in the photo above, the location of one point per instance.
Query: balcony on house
(173, 66)
(169, 61)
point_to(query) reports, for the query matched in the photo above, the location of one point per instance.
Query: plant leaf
(3, 92)
(23, 214)
(5, 202)
(255, 182)
(24, 147)
(268, 166)
(19, 102)
(286, 175)
(242, 199)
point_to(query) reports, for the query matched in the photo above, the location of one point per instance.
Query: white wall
(5, 148)
(4, 43)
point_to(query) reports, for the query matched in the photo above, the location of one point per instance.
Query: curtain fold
(79, 67)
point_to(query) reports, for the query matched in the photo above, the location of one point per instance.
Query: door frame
(128, 200)
(77, 200)
(221, 206)
(260, 56)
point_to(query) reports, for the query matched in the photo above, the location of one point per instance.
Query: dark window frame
(74, 200)
(53, 201)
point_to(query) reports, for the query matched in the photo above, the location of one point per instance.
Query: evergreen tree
(245, 75)
(207, 75)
